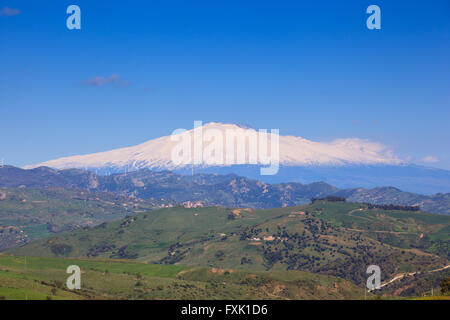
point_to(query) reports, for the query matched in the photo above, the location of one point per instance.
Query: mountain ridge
(345, 163)
(157, 153)
(212, 189)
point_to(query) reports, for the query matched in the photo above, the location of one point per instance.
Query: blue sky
(140, 69)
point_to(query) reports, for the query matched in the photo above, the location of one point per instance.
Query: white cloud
(430, 159)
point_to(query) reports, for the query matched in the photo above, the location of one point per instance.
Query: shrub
(61, 249)
(445, 285)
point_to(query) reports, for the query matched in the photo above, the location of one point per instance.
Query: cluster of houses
(190, 204)
(11, 236)
(294, 214)
(269, 238)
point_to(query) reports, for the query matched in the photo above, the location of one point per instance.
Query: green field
(44, 278)
(332, 238)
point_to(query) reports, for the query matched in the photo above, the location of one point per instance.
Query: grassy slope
(40, 278)
(341, 239)
(27, 214)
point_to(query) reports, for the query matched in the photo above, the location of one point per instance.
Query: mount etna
(345, 163)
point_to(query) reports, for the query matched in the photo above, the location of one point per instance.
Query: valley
(28, 214)
(331, 238)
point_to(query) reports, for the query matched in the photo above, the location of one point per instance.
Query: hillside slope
(28, 214)
(339, 239)
(44, 278)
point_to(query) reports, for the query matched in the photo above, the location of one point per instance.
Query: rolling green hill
(335, 238)
(44, 278)
(28, 214)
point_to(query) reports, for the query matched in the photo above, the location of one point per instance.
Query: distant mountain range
(211, 189)
(345, 163)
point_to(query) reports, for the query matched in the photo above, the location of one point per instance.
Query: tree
(445, 285)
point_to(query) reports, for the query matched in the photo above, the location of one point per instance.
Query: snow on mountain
(293, 151)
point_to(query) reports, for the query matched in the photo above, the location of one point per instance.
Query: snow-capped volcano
(345, 163)
(293, 151)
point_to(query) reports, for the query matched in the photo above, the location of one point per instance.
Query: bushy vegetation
(44, 278)
(327, 237)
(28, 214)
